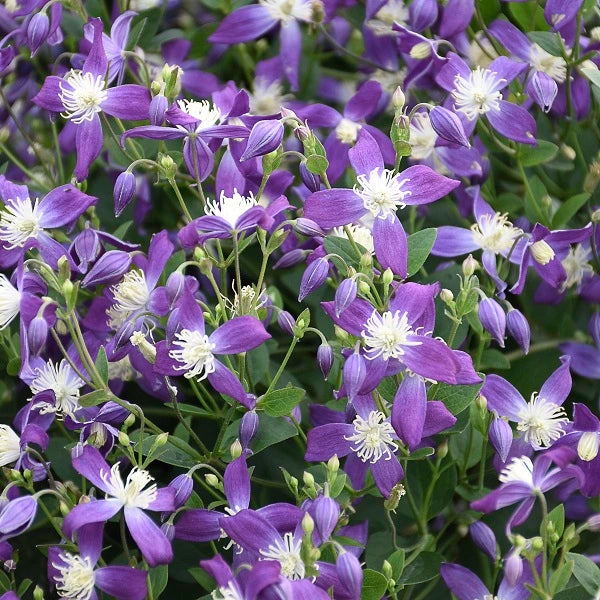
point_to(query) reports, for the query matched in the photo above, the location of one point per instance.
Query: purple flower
(134, 495)
(190, 352)
(484, 539)
(17, 516)
(542, 420)
(493, 319)
(76, 575)
(80, 96)
(24, 222)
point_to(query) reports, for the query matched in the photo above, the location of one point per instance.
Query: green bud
(537, 544)
(38, 593)
(363, 287)
(387, 570)
(446, 296)
(212, 480)
(442, 450)
(387, 277)
(161, 439)
(166, 166)
(308, 524)
(309, 480)
(333, 464)
(469, 266)
(129, 421)
(271, 161)
(123, 438)
(236, 449)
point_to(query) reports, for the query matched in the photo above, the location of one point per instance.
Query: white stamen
(122, 369)
(393, 11)
(10, 301)
(231, 209)
(373, 437)
(132, 492)
(267, 97)
(76, 580)
(422, 136)
(495, 233)
(382, 192)
(288, 10)
(518, 470)
(195, 354)
(576, 266)
(228, 592)
(19, 222)
(202, 110)
(588, 445)
(541, 422)
(387, 334)
(64, 382)
(10, 446)
(542, 252)
(130, 295)
(553, 66)
(347, 131)
(479, 93)
(361, 235)
(287, 553)
(82, 98)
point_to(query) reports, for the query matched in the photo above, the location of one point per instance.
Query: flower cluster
(299, 299)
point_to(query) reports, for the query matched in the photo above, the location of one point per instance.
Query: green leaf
(203, 578)
(317, 164)
(374, 585)
(547, 40)
(396, 560)
(592, 74)
(342, 247)
(529, 15)
(102, 364)
(14, 366)
(568, 209)
(586, 572)
(535, 202)
(421, 453)
(158, 578)
(23, 587)
(574, 593)
(560, 578)
(169, 453)
(494, 359)
(271, 431)
(425, 567)
(280, 403)
(94, 398)
(536, 155)
(419, 247)
(455, 397)
(557, 518)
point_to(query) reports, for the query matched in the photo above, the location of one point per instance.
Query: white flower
(288, 10)
(267, 97)
(347, 131)
(478, 93)
(373, 437)
(130, 295)
(77, 578)
(10, 301)
(576, 266)
(133, 492)
(422, 136)
(495, 232)
(518, 470)
(83, 97)
(19, 222)
(231, 208)
(10, 446)
(64, 382)
(393, 11)
(553, 66)
(386, 335)
(541, 421)
(287, 552)
(202, 110)
(361, 235)
(195, 353)
(381, 192)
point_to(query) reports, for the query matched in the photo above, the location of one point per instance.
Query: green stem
(184, 209)
(286, 358)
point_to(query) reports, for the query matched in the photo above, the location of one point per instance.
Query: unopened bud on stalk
(308, 524)
(592, 177)
(469, 266)
(236, 449)
(446, 296)
(212, 480)
(398, 99)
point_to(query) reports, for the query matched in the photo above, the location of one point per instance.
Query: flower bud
(501, 437)
(311, 180)
(333, 464)
(345, 295)
(123, 438)
(327, 512)
(212, 480)
(568, 152)
(38, 593)
(355, 372)
(350, 575)
(542, 252)
(236, 449)
(469, 266)
(392, 501)
(248, 428)
(167, 166)
(446, 296)
(124, 191)
(37, 332)
(592, 177)
(290, 259)
(593, 523)
(493, 319)
(265, 137)
(37, 31)
(313, 277)
(398, 99)
(423, 14)
(169, 530)
(158, 107)
(148, 350)
(537, 544)
(484, 539)
(308, 524)
(183, 486)
(448, 126)
(286, 322)
(518, 327)
(325, 359)
(308, 227)
(513, 568)
(175, 286)
(542, 89)
(109, 268)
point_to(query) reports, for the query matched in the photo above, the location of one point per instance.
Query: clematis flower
(190, 352)
(77, 576)
(14, 446)
(478, 92)
(375, 200)
(542, 420)
(80, 96)
(24, 222)
(134, 495)
(520, 481)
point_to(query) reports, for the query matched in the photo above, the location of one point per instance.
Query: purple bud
(355, 372)
(291, 258)
(37, 332)
(518, 327)
(6, 57)
(423, 14)
(484, 539)
(313, 277)
(286, 322)
(183, 486)
(175, 286)
(169, 530)
(265, 137)
(493, 319)
(109, 268)
(325, 359)
(125, 331)
(513, 568)
(448, 126)
(311, 180)
(350, 574)
(37, 31)
(248, 428)
(158, 108)
(345, 295)
(87, 247)
(308, 227)
(542, 89)
(17, 516)
(326, 515)
(124, 191)
(501, 437)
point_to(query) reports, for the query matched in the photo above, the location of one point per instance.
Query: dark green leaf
(396, 560)
(568, 209)
(586, 572)
(317, 164)
(280, 403)
(419, 247)
(14, 366)
(557, 518)
(560, 578)
(342, 247)
(529, 15)
(546, 40)
(455, 397)
(425, 567)
(374, 585)
(102, 364)
(494, 359)
(181, 455)
(536, 155)
(94, 398)
(158, 578)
